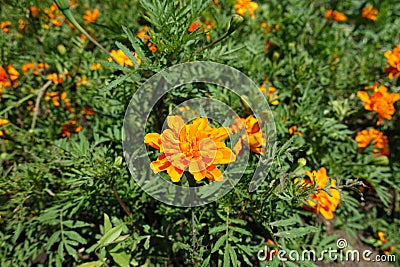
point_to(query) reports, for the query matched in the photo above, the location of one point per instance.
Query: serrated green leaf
(75, 236)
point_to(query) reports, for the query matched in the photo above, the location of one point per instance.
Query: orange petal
(153, 140)
(214, 174)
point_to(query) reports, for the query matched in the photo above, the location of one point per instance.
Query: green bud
(302, 162)
(118, 161)
(234, 23)
(381, 160)
(275, 56)
(4, 156)
(61, 49)
(62, 4)
(291, 46)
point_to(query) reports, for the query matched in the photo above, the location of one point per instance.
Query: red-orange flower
(374, 137)
(91, 16)
(195, 147)
(70, 127)
(194, 26)
(321, 202)
(393, 59)
(53, 13)
(369, 12)
(380, 101)
(4, 26)
(245, 6)
(35, 67)
(253, 136)
(335, 15)
(34, 11)
(142, 34)
(8, 78)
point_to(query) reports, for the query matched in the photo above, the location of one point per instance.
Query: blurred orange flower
(70, 127)
(83, 81)
(335, 15)
(34, 11)
(91, 16)
(4, 26)
(2, 123)
(273, 97)
(245, 6)
(380, 101)
(55, 78)
(376, 139)
(369, 12)
(56, 18)
(35, 67)
(142, 34)
(293, 130)
(8, 78)
(95, 66)
(381, 236)
(194, 26)
(87, 111)
(253, 136)
(124, 59)
(393, 59)
(195, 147)
(321, 202)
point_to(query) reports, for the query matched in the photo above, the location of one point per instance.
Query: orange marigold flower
(369, 12)
(8, 78)
(56, 18)
(245, 6)
(83, 81)
(253, 136)
(4, 26)
(124, 59)
(273, 98)
(293, 130)
(142, 34)
(34, 11)
(194, 26)
(374, 137)
(22, 24)
(55, 78)
(335, 15)
(87, 111)
(2, 123)
(68, 128)
(95, 66)
(35, 67)
(321, 202)
(381, 236)
(380, 101)
(393, 59)
(195, 147)
(91, 16)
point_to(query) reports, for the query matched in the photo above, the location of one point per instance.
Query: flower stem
(68, 14)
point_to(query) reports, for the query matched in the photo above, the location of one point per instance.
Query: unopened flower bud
(234, 23)
(62, 4)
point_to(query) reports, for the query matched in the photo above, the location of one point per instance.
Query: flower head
(369, 12)
(91, 16)
(142, 34)
(382, 238)
(53, 13)
(253, 136)
(393, 59)
(376, 138)
(195, 147)
(124, 59)
(2, 123)
(8, 78)
(335, 15)
(380, 101)
(321, 202)
(35, 67)
(273, 97)
(4, 26)
(246, 6)
(194, 26)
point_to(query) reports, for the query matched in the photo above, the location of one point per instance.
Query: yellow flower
(4, 26)
(8, 78)
(55, 17)
(253, 136)
(91, 16)
(369, 12)
(380, 101)
(2, 123)
(122, 58)
(393, 59)
(195, 147)
(376, 138)
(321, 202)
(246, 6)
(55, 78)
(95, 66)
(335, 15)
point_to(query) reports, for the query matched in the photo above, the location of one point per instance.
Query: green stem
(68, 14)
